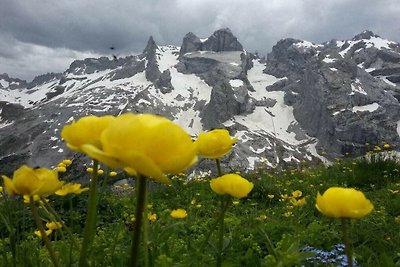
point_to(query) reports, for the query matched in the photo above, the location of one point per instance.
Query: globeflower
(147, 144)
(47, 232)
(231, 184)
(70, 189)
(215, 144)
(85, 131)
(53, 225)
(179, 214)
(30, 182)
(341, 202)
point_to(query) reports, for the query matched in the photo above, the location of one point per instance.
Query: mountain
(305, 101)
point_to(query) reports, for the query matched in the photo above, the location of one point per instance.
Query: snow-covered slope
(304, 99)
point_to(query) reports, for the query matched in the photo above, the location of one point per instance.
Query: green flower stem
(346, 241)
(91, 216)
(224, 207)
(146, 230)
(46, 240)
(57, 218)
(218, 167)
(270, 246)
(140, 205)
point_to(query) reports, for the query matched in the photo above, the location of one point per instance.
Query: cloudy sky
(40, 36)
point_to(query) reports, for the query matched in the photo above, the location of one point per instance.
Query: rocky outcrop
(220, 40)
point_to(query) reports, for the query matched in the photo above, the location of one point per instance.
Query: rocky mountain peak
(365, 35)
(151, 46)
(221, 40)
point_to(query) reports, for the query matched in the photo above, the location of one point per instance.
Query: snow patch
(4, 83)
(236, 83)
(356, 88)
(328, 59)
(370, 108)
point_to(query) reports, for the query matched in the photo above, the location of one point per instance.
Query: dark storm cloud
(58, 31)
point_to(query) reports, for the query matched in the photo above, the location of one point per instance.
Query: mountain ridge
(305, 102)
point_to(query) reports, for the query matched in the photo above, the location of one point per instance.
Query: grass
(180, 242)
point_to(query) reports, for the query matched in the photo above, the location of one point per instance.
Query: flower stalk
(140, 205)
(346, 241)
(90, 224)
(46, 240)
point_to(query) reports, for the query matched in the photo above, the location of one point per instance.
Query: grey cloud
(94, 26)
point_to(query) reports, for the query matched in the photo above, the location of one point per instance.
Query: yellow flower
(112, 174)
(235, 203)
(67, 162)
(61, 165)
(54, 225)
(70, 189)
(85, 131)
(297, 194)
(148, 144)
(27, 199)
(152, 217)
(298, 202)
(341, 202)
(61, 169)
(386, 146)
(232, 184)
(270, 196)
(377, 148)
(215, 144)
(89, 170)
(100, 172)
(39, 234)
(28, 181)
(1, 189)
(179, 214)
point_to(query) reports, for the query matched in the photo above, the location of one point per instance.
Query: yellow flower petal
(341, 202)
(178, 214)
(232, 184)
(86, 130)
(215, 144)
(28, 181)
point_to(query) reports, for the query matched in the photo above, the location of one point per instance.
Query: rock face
(220, 40)
(340, 91)
(303, 99)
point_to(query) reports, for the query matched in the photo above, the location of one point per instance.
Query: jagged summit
(151, 46)
(367, 34)
(221, 40)
(303, 99)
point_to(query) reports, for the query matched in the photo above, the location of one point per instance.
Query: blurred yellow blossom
(61, 169)
(86, 131)
(90, 169)
(100, 172)
(179, 214)
(53, 225)
(297, 194)
(147, 144)
(30, 182)
(39, 234)
(112, 174)
(70, 189)
(152, 217)
(231, 184)
(235, 203)
(67, 162)
(215, 144)
(270, 196)
(342, 202)
(27, 199)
